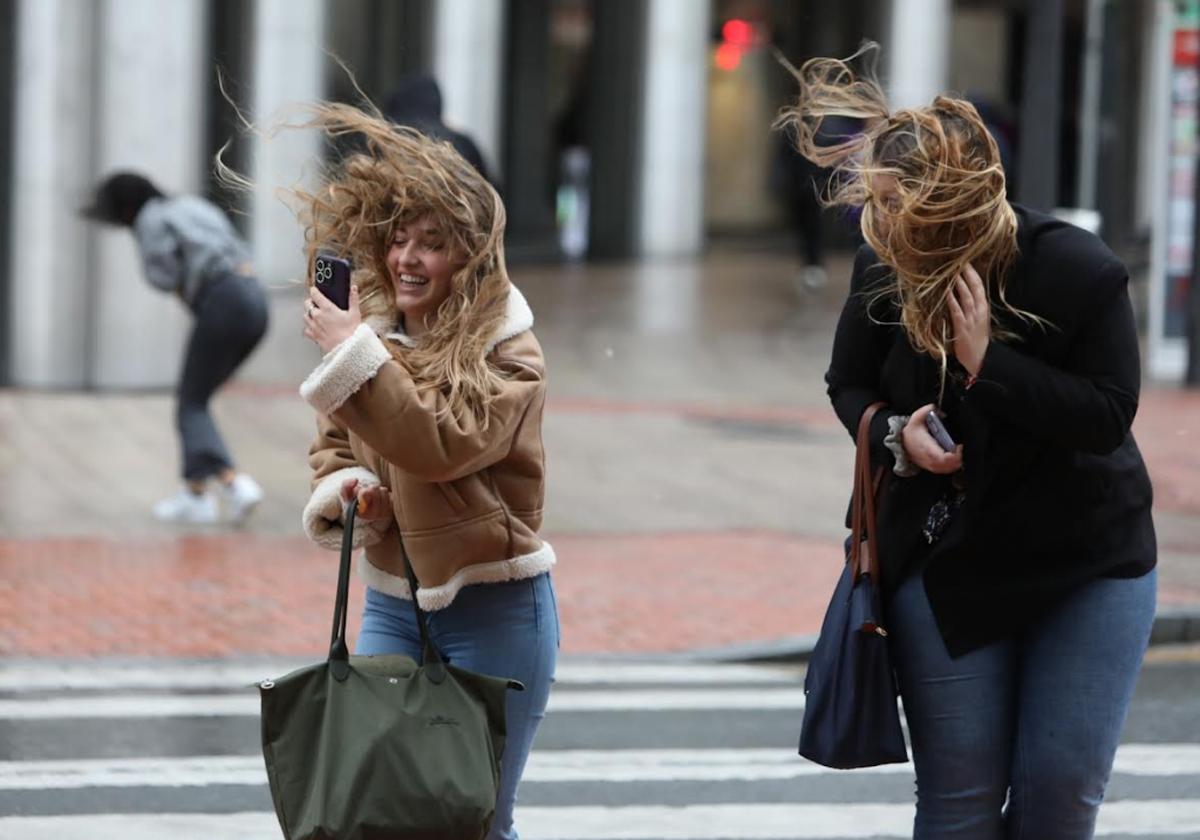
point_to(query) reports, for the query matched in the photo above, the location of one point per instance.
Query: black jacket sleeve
(860, 346)
(1089, 403)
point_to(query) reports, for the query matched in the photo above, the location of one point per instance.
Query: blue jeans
(502, 629)
(1033, 719)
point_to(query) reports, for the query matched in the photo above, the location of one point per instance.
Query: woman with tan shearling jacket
(429, 402)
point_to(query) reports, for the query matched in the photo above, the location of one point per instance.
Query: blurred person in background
(189, 248)
(417, 103)
(805, 189)
(429, 401)
(798, 183)
(1018, 555)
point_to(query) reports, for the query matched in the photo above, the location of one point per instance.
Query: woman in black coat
(1017, 560)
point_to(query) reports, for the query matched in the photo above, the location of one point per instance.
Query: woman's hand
(374, 501)
(971, 317)
(325, 323)
(925, 452)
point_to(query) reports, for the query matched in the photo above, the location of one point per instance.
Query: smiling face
(421, 271)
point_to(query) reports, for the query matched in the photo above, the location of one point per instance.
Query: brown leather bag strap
(870, 564)
(856, 510)
(866, 486)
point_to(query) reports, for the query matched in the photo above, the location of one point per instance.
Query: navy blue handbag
(850, 714)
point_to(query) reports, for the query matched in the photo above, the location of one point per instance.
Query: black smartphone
(938, 429)
(332, 276)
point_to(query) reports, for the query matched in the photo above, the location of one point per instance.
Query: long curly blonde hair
(400, 176)
(949, 208)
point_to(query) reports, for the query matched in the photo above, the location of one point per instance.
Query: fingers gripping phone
(332, 276)
(938, 431)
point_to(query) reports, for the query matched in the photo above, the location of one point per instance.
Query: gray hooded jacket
(185, 240)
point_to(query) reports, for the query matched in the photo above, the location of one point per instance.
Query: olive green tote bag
(381, 747)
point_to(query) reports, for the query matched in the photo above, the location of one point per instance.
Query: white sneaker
(240, 497)
(186, 506)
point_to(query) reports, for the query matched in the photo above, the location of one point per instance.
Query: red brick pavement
(1167, 429)
(225, 595)
(217, 596)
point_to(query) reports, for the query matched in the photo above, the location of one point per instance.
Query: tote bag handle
(339, 654)
(866, 487)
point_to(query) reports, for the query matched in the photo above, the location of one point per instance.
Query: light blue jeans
(501, 629)
(1035, 719)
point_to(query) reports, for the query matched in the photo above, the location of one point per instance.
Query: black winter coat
(1057, 492)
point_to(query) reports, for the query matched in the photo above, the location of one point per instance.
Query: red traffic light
(739, 33)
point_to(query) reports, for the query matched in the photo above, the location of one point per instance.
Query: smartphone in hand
(332, 276)
(938, 430)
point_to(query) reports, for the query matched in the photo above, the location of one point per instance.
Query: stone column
(50, 294)
(529, 151)
(673, 128)
(288, 72)
(917, 51)
(150, 88)
(1041, 107)
(616, 90)
(468, 62)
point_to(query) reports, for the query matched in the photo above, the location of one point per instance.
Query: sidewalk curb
(1171, 627)
(1176, 626)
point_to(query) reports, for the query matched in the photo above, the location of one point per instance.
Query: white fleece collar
(517, 319)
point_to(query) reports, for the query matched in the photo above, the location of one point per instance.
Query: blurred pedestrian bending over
(189, 248)
(1014, 530)
(429, 404)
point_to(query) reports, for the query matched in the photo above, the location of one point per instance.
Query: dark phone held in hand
(938, 430)
(332, 276)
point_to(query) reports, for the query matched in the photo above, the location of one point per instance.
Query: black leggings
(230, 319)
(804, 208)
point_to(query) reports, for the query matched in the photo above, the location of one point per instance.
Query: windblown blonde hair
(951, 206)
(396, 177)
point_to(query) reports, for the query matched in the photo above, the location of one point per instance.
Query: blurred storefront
(1174, 188)
(615, 129)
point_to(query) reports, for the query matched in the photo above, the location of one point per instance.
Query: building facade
(616, 129)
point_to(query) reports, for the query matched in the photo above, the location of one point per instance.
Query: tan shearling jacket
(467, 503)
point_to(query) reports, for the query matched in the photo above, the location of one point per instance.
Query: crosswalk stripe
(247, 705)
(1170, 817)
(130, 706)
(20, 678)
(546, 766)
(801, 822)
(677, 699)
(31, 692)
(194, 771)
(676, 673)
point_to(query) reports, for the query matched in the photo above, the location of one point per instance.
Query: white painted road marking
(20, 677)
(247, 704)
(545, 766)
(1168, 818)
